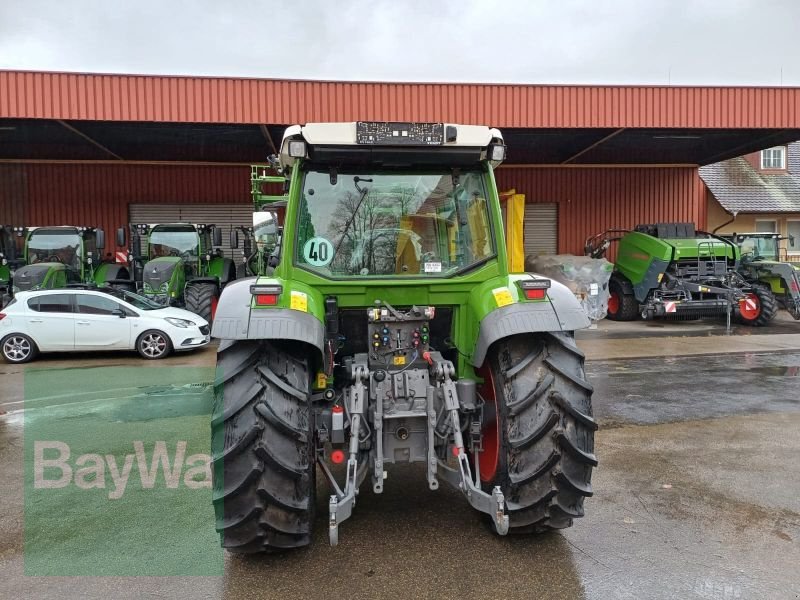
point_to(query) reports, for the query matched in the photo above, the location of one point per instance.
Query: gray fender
(562, 313)
(113, 270)
(234, 320)
(228, 271)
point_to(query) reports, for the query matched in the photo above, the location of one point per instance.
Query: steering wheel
(52, 258)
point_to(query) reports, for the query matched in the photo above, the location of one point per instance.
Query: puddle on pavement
(165, 401)
(777, 371)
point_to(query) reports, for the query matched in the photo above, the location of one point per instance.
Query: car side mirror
(119, 312)
(121, 236)
(216, 237)
(234, 238)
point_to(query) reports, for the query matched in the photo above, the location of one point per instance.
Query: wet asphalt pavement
(697, 496)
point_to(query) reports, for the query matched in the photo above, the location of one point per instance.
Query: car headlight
(182, 323)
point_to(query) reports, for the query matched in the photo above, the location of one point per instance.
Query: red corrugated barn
(103, 150)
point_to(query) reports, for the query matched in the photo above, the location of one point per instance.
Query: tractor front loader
(391, 332)
(672, 270)
(761, 264)
(261, 241)
(182, 264)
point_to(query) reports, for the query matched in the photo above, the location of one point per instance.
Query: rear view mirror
(234, 241)
(136, 244)
(100, 239)
(121, 236)
(216, 237)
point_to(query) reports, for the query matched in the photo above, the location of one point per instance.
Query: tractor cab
(757, 246)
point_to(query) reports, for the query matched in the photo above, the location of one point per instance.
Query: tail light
(2, 316)
(266, 295)
(534, 289)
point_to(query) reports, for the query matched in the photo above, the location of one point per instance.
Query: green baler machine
(673, 270)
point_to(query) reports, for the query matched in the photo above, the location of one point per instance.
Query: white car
(70, 319)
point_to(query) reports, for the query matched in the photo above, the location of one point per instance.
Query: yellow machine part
(514, 209)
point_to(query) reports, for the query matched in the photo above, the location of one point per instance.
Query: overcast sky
(743, 42)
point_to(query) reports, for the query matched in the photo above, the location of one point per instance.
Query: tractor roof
(390, 144)
(756, 234)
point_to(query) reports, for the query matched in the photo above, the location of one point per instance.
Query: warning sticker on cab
(432, 267)
(502, 296)
(399, 361)
(299, 301)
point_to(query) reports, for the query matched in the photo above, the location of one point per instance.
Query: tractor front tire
(262, 446)
(201, 299)
(621, 306)
(538, 442)
(765, 309)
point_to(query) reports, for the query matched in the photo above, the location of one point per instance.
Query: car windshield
(173, 240)
(53, 245)
(760, 247)
(134, 300)
(393, 224)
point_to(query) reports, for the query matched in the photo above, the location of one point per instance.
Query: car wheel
(153, 345)
(18, 348)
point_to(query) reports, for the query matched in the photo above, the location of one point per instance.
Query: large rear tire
(262, 447)
(759, 307)
(538, 442)
(621, 306)
(201, 299)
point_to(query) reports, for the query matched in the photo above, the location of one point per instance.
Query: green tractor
(391, 332)
(261, 240)
(672, 270)
(761, 263)
(57, 257)
(182, 264)
(9, 261)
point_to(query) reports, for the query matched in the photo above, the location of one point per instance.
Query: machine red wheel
(750, 307)
(613, 303)
(488, 458)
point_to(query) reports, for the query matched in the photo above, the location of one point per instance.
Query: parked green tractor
(182, 264)
(354, 356)
(56, 257)
(8, 261)
(671, 270)
(761, 263)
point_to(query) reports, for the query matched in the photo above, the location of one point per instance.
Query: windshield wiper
(363, 192)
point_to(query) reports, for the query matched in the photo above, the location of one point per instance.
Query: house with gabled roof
(757, 192)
